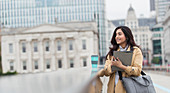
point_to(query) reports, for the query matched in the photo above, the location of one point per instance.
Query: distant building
(142, 34)
(147, 22)
(119, 22)
(166, 26)
(30, 13)
(152, 5)
(141, 22)
(109, 34)
(49, 47)
(158, 42)
(161, 7)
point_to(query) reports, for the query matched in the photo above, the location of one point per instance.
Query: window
(157, 47)
(24, 65)
(11, 65)
(59, 45)
(84, 62)
(70, 44)
(84, 44)
(36, 64)
(23, 47)
(47, 46)
(48, 64)
(71, 63)
(59, 63)
(35, 44)
(10, 48)
(119, 22)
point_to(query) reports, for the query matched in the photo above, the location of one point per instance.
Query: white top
(117, 74)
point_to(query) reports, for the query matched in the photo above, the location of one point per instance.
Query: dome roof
(130, 8)
(131, 14)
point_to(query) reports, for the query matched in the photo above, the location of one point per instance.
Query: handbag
(139, 84)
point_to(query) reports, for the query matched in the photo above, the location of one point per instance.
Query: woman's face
(120, 37)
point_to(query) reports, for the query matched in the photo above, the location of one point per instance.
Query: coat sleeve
(136, 67)
(107, 68)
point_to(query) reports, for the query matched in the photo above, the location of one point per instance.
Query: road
(66, 80)
(161, 81)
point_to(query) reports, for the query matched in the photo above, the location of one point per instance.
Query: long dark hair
(129, 37)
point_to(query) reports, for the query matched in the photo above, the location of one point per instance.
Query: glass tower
(161, 8)
(29, 13)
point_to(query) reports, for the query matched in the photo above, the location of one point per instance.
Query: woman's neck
(123, 45)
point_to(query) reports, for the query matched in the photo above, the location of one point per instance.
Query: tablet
(124, 56)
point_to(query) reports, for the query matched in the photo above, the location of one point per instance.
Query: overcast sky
(117, 9)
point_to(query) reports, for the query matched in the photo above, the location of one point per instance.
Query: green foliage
(8, 73)
(155, 60)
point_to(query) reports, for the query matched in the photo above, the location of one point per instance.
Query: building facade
(152, 5)
(166, 26)
(119, 22)
(29, 13)
(109, 34)
(141, 22)
(142, 34)
(158, 42)
(49, 47)
(161, 7)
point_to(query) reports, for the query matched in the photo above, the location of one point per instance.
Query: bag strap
(131, 48)
(120, 75)
(143, 73)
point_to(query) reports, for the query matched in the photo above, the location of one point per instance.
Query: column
(77, 46)
(29, 55)
(17, 51)
(162, 49)
(52, 50)
(64, 48)
(41, 54)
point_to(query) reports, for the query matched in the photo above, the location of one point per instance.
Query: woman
(122, 40)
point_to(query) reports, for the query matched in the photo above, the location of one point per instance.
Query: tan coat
(134, 69)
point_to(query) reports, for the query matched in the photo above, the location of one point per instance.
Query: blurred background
(59, 45)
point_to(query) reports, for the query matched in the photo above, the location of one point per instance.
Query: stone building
(166, 27)
(109, 34)
(158, 42)
(49, 47)
(142, 34)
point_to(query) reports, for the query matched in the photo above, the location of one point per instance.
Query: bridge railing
(158, 68)
(94, 85)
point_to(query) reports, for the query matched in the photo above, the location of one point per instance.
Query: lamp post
(96, 18)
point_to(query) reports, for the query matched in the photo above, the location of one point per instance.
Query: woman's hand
(116, 62)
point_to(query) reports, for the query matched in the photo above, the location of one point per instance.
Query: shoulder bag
(139, 84)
